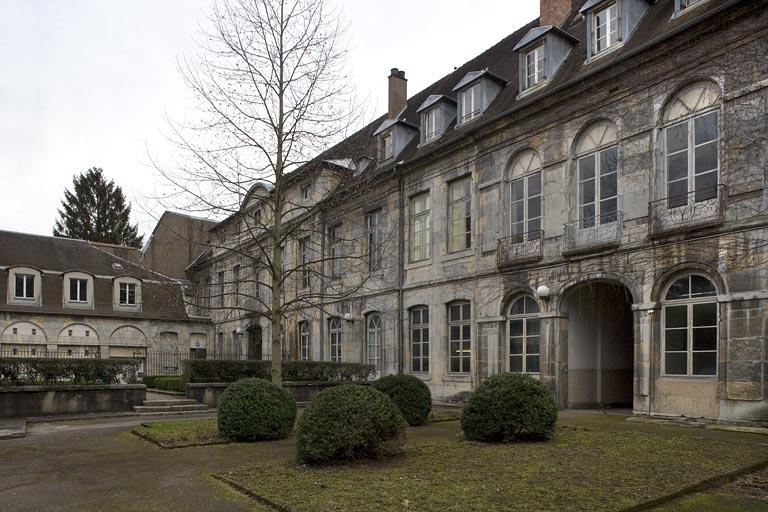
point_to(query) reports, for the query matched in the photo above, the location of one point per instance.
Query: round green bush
(255, 410)
(409, 394)
(349, 421)
(509, 407)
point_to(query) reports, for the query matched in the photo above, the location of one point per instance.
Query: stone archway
(600, 345)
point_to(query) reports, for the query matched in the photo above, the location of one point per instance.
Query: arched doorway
(254, 342)
(600, 345)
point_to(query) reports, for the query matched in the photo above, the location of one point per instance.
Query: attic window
(605, 28)
(534, 66)
(684, 4)
(385, 147)
(117, 266)
(470, 103)
(431, 131)
(305, 192)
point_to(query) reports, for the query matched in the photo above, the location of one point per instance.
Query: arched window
(334, 327)
(691, 135)
(460, 337)
(525, 196)
(690, 327)
(524, 333)
(420, 339)
(305, 341)
(597, 164)
(373, 339)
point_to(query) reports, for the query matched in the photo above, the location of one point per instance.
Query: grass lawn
(179, 434)
(594, 463)
(747, 494)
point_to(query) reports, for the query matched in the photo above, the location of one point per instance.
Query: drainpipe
(322, 286)
(400, 269)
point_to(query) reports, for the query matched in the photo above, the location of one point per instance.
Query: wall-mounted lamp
(348, 317)
(239, 330)
(542, 292)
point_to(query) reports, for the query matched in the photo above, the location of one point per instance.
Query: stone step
(200, 413)
(170, 408)
(180, 401)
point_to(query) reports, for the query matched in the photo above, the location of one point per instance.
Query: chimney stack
(398, 93)
(553, 12)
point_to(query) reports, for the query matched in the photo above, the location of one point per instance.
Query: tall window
(127, 294)
(78, 290)
(534, 67)
(373, 340)
(523, 330)
(525, 197)
(605, 28)
(334, 325)
(236, 279)
(597, 154)
(430, 125)
(386, 150)
(304, 258)
(691, 136)
(470, 103)
(373, 227)
(459, 215)
(221, 289)
(420, 339)
(25, 286)
(335, 244)
(305, 341)
(459, 337)
(420, 227)
(690, 327)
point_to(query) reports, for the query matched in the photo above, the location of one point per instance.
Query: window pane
(19, 285)
(702, 287)
(705, 338)
(455, 364)
(677, 193)
(706, 186)
(73, 289)
(516, 327)
(676, 364)
(676, 340)
(588, 192)
(416, 346)
(705, 128)
(465, 311)
(677, 137)
(677, 166)
(608, 160)
(587, 168)
(676, 316)
(679, 289)
(533, 327)
(705, 314)
(704, 363)
(455, 313)
(608, 211)
(516, 363)
(608, 186)
(465, 332)
(706, 157)
(516, 345)
(532, 364)
(532, 345)
(534, 184)
(518, 189)
(425, 316)
(455, 332)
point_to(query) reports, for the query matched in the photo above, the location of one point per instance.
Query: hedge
(22, 371)
(409, 394)
(211, 370)
(165, 383)
(256, 410)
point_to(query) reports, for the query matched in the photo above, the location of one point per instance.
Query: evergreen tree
(97, 212)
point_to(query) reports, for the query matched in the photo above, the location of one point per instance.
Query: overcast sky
(88, 83)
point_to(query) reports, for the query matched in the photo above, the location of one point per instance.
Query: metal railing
(519, 248)
(699, 208)
(592, 233)
(43, 352)
(171, 363)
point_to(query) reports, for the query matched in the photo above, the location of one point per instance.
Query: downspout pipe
(400, 267)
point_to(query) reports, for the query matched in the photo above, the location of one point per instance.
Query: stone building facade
(584, 202)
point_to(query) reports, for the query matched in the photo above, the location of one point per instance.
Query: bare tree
(272, 93)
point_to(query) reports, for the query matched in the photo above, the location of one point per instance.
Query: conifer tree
(96, 211)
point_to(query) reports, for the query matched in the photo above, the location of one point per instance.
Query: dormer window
(78, 290)
(470, 103)
(437, 113)
(430, 125)
(385, 147)
(535, 65)
(682, 5)
(127, 294)
(25, 286)
(605, 28)
(305, 192)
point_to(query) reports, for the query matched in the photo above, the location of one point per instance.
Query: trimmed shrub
(409, 394)
(211, 370)
(23, 371)
(509, 407)
(255, 410)
(349, 421)
(165, 383)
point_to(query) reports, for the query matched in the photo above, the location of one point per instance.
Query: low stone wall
(25, 401)
(210, 393)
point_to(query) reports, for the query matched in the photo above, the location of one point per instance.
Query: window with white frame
(25, 286)
(525, 197)
(334, 328)
(221, 288)
(431, 130)
(373, 226)
(534, 62)
(691, 145)
(236, 282)
(471, 103)
(386, 147)
(459, 215)
(605, 28)
(304, 256)
(306, 192)
(305, 341)
(597, 163)
(373, 340)
(127, 294)
(420, 339)
(524, 333)
(685, 4)
(459, 337)
(690, 327)
(336, 251)
(421, 238)
(78, 290)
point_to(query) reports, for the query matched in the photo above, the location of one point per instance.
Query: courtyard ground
(596, 462)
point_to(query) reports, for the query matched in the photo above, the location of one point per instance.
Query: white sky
(87, 83)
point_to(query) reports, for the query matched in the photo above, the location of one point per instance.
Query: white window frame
(386, 148)
(81, 290)
(28, 286)
(460, 228)
(471, 103)
(373, 225)
(532, 172)
(526, 318)
(304, 259)
(597, 179)
(373, 342)
(125, 295)
(336, 247)
(690, 303)
(431, 130)
(420, 227)
(305, 341)
(335, 333)
(539, 62)
(464, 342)
(420, 363)
(612, 34)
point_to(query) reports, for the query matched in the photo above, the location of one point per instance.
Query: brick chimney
(553, 12)
(398, 93)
